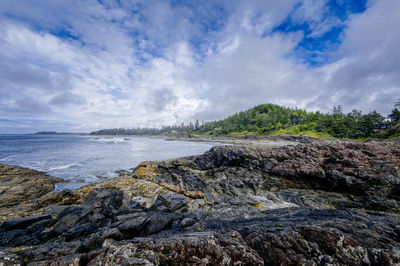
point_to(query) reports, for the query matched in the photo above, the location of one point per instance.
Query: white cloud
(256, 70)
(368, 76)
(250, 70)
(147, 63)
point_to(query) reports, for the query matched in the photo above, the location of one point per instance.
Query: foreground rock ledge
(20, 188)
(322, 203)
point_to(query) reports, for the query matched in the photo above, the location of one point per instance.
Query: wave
(7, 158)
(61, 167)
(111, 140)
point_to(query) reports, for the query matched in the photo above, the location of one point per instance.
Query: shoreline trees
(267, 119)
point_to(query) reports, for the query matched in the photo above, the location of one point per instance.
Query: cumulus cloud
(67, 98)
(367, 76)
(87, 65)
(254, 70)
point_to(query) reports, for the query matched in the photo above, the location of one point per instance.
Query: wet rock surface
(319, 203)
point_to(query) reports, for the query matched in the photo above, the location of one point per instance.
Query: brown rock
(20, 188)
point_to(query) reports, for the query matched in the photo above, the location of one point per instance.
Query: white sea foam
(7, 158)
(83, 160)
(111, 140)
(61, 167)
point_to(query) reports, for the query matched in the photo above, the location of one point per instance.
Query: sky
(83, 65)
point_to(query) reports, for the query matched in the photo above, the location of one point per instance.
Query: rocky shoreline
(20, 188)
(314, 203)
(245, 140)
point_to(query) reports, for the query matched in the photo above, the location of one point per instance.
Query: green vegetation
(395, 114)
(270, 119)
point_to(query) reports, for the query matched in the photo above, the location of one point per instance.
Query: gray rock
(104, 201)
(8, 237)
(95, 241)
(169, 202)
(79, 230)
(23, 222)
(67, 219)
(210, 199)
(134, 226)
(347, 212)
(192, 182)
(187, 222)
(40, 226)
(55, 210)
(158, 222)
(113, 233)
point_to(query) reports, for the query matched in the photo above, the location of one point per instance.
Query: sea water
(83, 159)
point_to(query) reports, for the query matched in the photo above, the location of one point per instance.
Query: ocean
(83, 159)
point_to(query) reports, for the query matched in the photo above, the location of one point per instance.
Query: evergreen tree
(395, 114)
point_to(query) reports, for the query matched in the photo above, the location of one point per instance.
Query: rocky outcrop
(321, 203)
(19, 190)
(318, 175)
(246, 139)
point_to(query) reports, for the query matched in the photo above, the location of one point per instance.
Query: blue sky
(86, 65)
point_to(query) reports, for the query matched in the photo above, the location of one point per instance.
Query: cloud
(92, 65)
(254, 70)
(67, 98)
(367, 76)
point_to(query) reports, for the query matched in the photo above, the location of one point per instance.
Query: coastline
(22, 202)
(315, 194)
(20, 188)
(244, 140)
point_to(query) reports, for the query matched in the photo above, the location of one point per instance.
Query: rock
(7, 237)
(67, 219)
(55, 210)
(182, 249)
(113, 233)
(134, 226)
(187, 222)
(95, 241)
(23, 222)
(40, 226)
(65, 197)
(79, 230)
(209, 198)
(136, 206)
(8, 258)
(318, 203)
(193, 183)
(71, 260)
(169, 202)
(19, 190)
(158, 222)
(104, 201)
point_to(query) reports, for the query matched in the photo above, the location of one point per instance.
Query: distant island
(57, 133)
(271, 119)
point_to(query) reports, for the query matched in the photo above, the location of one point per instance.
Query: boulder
(167, 202)
(134, 226)
(158, 222)
(23, 222)
(104, 201)
(67, 219)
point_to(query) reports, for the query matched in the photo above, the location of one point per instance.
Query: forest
(271, 119)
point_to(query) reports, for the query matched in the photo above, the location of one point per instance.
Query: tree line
(269, 119)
